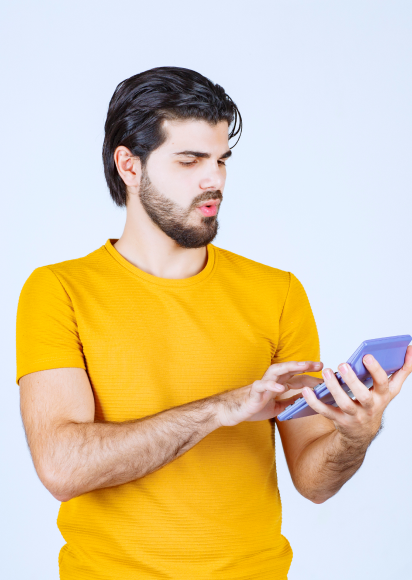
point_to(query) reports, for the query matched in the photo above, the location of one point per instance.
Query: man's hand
(358, 421)
(260, 400)
(323, 451)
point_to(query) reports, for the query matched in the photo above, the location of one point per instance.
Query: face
(182, 183)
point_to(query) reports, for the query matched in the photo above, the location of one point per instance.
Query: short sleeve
(298, 335)
(46, 335)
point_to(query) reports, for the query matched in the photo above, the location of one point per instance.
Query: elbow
(58, 489)
(56, 484)
(316, 496)
(313, 497)
(61, 495)
(314, 491)
(318, 500)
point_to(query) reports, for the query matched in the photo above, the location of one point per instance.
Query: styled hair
(142, 102)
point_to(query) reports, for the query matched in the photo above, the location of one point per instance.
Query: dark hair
(142, 102)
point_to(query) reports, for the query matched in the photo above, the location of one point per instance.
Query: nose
(213, 178)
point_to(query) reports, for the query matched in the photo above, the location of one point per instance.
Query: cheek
(224, 171)
(181, 185)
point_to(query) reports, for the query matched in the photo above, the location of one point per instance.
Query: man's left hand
(359, 420)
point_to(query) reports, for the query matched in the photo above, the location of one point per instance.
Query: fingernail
(306, 391)
(301, 364)
(368, 358)
(343, 368)
(326, 373)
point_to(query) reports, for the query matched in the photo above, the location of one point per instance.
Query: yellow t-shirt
(148, 344)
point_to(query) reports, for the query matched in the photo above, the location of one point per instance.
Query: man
(151, 370)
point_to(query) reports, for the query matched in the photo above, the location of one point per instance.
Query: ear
(128, 166)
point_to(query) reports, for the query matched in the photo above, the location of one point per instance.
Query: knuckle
(347, 407)
(267, 383)
(344, 422)
(285, 366)
(370, 413)
(275, 366)
(365, 399)
(273, 370)
(382, 377)
(358, 419)
(328, 413)
(382, 386)
(346, 403)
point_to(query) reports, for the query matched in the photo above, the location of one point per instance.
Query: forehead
(196, 135)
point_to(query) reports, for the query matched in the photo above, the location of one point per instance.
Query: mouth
(209, 208)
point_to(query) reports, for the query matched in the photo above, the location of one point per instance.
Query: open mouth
(210, 207)
(208, 210)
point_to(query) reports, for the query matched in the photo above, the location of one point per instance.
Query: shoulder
(261, 284)
(80, 266)
(60, 274)
(251, 269)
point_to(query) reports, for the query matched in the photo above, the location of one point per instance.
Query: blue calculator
(389, 352)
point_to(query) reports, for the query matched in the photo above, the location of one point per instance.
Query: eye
(191, 163)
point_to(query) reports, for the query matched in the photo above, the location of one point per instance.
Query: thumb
(280, 405)
(397, 379)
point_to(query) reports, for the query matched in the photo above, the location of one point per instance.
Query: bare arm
(325, 450)
(73, 455)
(318, 463)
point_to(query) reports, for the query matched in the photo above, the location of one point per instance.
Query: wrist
(353, 442)
(214, 419)
(206, 413)
(224, 407)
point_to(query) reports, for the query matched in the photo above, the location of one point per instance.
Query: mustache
(205, 196)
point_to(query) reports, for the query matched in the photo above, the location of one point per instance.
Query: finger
(343, 400)
(277, 389)
(327, 411)
(290, 391)
(304, 381)
(363, 395)
(268, 385)
(380, 378)
(260, 397)
(397, 379)
(287, 387)
(289, 369)
(280, 405)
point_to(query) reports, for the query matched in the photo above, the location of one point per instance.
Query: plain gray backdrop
(319, 185)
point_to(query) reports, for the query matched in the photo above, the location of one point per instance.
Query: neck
(145, 246)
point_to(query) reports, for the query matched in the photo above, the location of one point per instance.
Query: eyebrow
(202, 154)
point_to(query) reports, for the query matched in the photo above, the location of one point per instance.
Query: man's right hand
(258, 401)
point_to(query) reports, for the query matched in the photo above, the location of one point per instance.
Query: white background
(320, 185)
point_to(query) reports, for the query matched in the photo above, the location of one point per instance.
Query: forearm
(87, 456)
(326, 464)
(74, 455)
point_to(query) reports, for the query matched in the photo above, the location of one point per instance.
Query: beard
(173, 220)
